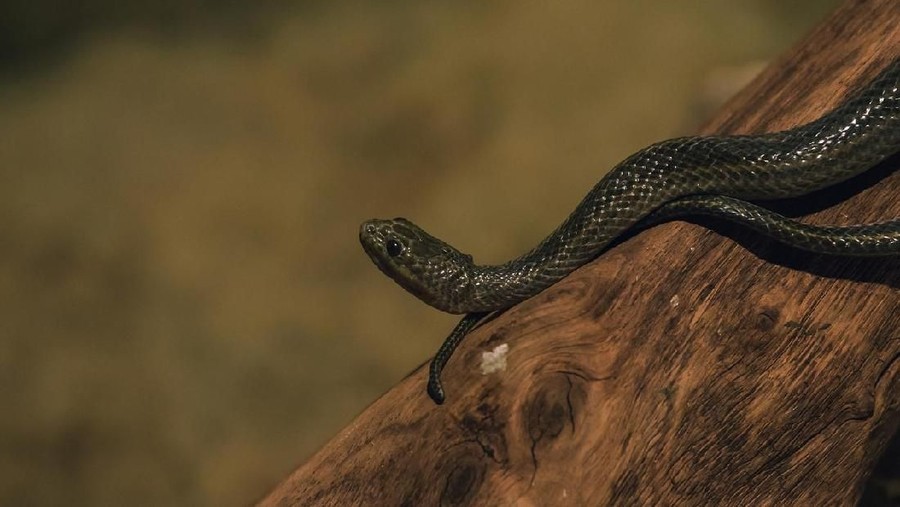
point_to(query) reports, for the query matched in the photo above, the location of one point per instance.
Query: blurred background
(186, 312)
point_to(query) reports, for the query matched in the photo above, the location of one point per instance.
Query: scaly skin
(690, 175)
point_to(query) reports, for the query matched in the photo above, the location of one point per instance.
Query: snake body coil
(705, 175)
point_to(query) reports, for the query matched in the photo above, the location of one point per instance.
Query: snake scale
(714, 175)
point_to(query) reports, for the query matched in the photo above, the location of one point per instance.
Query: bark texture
(688, 364)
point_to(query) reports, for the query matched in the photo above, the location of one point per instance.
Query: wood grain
(685, 365)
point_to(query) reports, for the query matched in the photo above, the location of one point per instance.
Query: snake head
(428, 268)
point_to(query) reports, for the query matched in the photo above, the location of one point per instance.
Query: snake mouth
(371, 240)
(372, 237)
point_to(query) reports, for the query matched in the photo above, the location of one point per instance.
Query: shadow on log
(681, 366)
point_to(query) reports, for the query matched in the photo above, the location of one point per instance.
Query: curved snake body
(712, 175)
(865, 240)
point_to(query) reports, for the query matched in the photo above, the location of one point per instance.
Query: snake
(719, 175)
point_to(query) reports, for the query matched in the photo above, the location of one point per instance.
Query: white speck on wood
(495, 360)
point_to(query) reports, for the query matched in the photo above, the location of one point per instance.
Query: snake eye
(393, 247)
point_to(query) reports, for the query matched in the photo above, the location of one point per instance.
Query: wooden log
(681, 366)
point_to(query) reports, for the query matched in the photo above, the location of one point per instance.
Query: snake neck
(574, 243)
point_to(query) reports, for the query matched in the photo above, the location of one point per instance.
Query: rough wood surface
(686, 365)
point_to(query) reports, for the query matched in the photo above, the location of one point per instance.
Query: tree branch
(680, 366)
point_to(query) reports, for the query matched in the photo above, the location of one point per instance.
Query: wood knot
(463, 480)
(767, 318)
(550, 408)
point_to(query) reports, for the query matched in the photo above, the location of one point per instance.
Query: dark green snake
(691, 175)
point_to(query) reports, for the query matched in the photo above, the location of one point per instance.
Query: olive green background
(186, 311)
